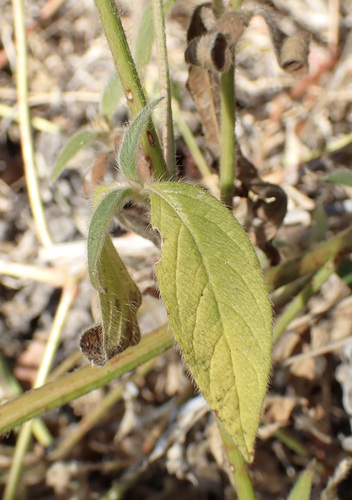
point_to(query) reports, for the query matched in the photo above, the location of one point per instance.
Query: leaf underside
(219, 311)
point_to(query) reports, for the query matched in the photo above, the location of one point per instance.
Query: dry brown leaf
(201, 86)
(294, 54)
(278, 409)
(96, 174)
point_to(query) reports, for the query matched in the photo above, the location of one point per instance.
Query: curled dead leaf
(210, 51)
(294, 54)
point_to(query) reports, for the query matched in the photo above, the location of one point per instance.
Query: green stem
(335, 248)
(285, 293)
(165, 87)
(82, 381)
(11, 388)
(219, 7)
(291, 443)
(129, 78)
(238, 467)
(25, 124)
(227, 155)
(24, 438)
(302, 298)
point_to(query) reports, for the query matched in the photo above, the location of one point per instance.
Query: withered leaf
(294, 54)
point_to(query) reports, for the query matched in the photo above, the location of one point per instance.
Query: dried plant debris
(293, 135)
(210, 50)
(340, 485)
(211, 41)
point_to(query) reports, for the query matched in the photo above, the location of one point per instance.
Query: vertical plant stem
(219, 7)
(24, 437)
(25, 124)
(235, 4)
(302, 298)
(227, 155)
(238, 467)
(131, 85)
(165, 87)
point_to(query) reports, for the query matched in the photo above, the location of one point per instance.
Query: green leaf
(218, 305)
(128, 151)
(145, 37)
(74, 145)
(301, 490)
(98, 226)
(111, 96)
(119, 302)
(343, 177)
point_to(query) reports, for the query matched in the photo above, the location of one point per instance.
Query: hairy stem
(131, 84)
(165, 87)
(82, 381)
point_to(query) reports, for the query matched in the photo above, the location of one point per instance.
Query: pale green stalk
(238, 467)
(165, 87)
(227, 155)
(24, 437)
(80, 382)
(337, 248)
(302, 298)
(25, 124)
(11, 388)
(131, 85)
(219, 7)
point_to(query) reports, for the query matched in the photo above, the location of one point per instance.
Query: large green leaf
(301, 490)
(128, 151)
(97, 230)
(75, 144)
(218, 305)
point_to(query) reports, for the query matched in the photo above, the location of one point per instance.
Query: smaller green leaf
(74, 145)
(128, 151)
(301, 490)
(111, 96)
(343, 177)
(98, 225)
(119, 302)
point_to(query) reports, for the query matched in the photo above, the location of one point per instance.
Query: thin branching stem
(336, 248)
(25, 124)
(24, 438)
(165, 87)
(131, 84)
(80, 382)
(301, 299)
